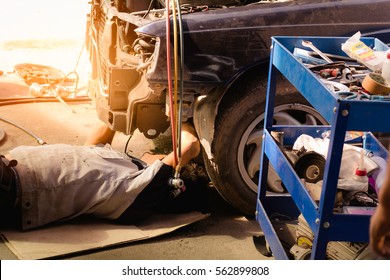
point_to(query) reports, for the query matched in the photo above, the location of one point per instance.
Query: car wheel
(234, 169)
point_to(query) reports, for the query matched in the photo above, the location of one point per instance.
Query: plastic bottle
(386, 68)
(360, 176)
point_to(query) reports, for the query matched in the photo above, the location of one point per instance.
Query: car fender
(205, 112)
(207, 106)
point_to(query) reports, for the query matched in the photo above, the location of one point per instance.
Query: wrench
(310, 45)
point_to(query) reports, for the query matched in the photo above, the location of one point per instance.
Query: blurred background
(48, 32)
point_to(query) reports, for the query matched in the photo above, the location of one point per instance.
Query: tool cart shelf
(342, 115)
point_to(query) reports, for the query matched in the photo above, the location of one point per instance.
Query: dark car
(226, 48)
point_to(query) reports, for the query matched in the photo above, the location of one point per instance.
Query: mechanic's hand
(380, 231)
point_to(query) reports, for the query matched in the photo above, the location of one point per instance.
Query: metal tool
(335, 57)
(354, 95)
(59, 98)
(335, 87)
(347, 77)
(330, 72)
(38, 90)
(310, 45)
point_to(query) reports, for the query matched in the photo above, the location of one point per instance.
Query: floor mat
(60, 240)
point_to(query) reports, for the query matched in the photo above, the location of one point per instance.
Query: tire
(234, 170)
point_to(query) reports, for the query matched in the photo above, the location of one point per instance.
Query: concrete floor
(226, 234)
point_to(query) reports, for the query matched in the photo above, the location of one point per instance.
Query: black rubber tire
(233, 120)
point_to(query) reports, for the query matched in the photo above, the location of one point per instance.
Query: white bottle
(360, 176)
(386, 68)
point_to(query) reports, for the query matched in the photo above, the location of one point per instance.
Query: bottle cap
(361, 172)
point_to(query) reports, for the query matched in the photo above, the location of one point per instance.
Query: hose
(75, 68)
(39, 140)
(176, 110)
(177, 68)
(14, 101)
(169, 80)
(175, 82)
(181, 37)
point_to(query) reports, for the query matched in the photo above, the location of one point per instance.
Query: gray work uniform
(60, 181)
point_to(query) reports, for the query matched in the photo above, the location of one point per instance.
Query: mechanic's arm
(380, 221)
(101, 134)
(190, 146)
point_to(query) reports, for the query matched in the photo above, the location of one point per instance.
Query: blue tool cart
(343, 115)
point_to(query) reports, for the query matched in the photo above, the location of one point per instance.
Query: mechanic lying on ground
(49, 183)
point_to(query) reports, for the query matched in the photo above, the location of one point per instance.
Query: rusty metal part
(41, 74)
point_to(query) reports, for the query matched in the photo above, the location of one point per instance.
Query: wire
(127, 144)
(39, 140)
(75, 67)
(149, 9)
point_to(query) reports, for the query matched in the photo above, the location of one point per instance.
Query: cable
(75, 67)
(39, 140)
(149, 9)
(127, 144)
